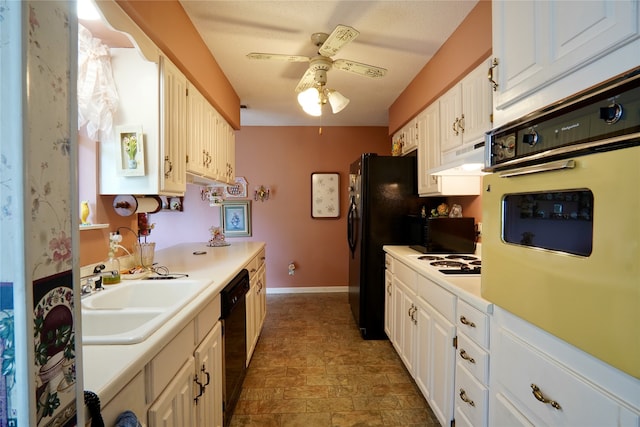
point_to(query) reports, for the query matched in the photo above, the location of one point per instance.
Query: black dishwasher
(234, 334)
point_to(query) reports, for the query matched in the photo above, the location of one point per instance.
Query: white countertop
(107, 368)
(465, 287)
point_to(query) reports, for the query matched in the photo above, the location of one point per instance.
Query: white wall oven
(561, 220)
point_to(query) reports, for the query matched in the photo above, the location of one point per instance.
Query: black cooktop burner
(467, 270)
(463, 257)
(445, 263)
(477, 262)
(430, 258)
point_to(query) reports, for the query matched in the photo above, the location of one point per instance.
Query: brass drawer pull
(540, 397)
(466, 357)
(469, 323)
(463, 396)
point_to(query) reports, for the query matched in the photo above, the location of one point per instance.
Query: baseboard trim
(308, 290)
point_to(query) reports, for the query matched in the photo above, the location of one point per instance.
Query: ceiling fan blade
(277, 57)
(307, 81)
(359, 68)
(340, 36)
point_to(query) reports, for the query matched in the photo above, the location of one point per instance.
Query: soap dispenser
(111, 272)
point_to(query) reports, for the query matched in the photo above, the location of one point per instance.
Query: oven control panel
(604, 118)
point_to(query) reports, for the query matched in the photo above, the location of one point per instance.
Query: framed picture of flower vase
(131, 144)
(236, 218)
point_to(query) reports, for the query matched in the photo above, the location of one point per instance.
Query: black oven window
(559, 221)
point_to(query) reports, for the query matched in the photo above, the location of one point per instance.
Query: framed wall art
(131, 146)
(236, 218)
(325, 195)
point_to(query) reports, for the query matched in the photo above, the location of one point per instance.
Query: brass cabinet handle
(455, 127)
(469, 323)
(466, 357)
(389, 288)
(461, 123)
(537, 393)
(463, 396)
(490, 76)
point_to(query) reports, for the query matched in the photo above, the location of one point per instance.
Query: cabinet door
(477, 105)
(174, 407)
(388, 304)
(208, 363)
(405, 328)
(428, 122)
(424, 365)
(251, 304)
(262, 299)
(442, 367)
(173, 107)
(196, 142)
(538, 43)
(450, 116)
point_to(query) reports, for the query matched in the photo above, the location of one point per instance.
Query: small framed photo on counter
(236, 218)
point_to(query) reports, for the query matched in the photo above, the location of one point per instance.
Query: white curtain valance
(97, 94)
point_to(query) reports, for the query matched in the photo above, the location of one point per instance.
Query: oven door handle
(543, 167)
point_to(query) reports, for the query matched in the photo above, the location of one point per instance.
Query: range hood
(466, 161)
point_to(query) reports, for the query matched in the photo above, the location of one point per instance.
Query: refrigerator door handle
(351, 227)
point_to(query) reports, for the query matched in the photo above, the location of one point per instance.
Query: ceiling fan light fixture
(310, 101)
(337, 100)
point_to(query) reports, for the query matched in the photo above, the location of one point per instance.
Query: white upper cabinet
(153, 102)
(548, 50)
(173, 135)
(428, 125)
(465, 110)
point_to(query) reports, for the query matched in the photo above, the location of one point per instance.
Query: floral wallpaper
(48, 167)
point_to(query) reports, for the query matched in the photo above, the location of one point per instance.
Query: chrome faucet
(93, 283)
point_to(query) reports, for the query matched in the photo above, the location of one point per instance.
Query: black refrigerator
(382, 193)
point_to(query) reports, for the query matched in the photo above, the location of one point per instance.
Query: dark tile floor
(311, 368)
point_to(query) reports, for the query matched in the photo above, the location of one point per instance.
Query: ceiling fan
(311, 89)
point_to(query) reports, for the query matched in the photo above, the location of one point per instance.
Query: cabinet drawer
(168, 361)
(388, 262)
(438, 297)
(207, 318)
(473, 323)
(518, 367)
(472, 398)
(405, 275)
(474, 358)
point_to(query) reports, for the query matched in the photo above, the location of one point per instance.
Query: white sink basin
(128, 313)
(119, 326)
(143, 294)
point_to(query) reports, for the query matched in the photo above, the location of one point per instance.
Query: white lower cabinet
(388, 303)
(208, 364)
(426, 318)
(534, 383)
(404, 328)
(184, 380)
(256, 301)
(174, 407)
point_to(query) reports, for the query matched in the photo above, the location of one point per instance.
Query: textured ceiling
(400, 36)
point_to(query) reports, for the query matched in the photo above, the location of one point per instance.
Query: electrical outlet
(479, 229)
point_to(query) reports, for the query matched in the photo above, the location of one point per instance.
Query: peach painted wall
(283, 159)
(94, 243)
(167, 24)
(467, 47)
